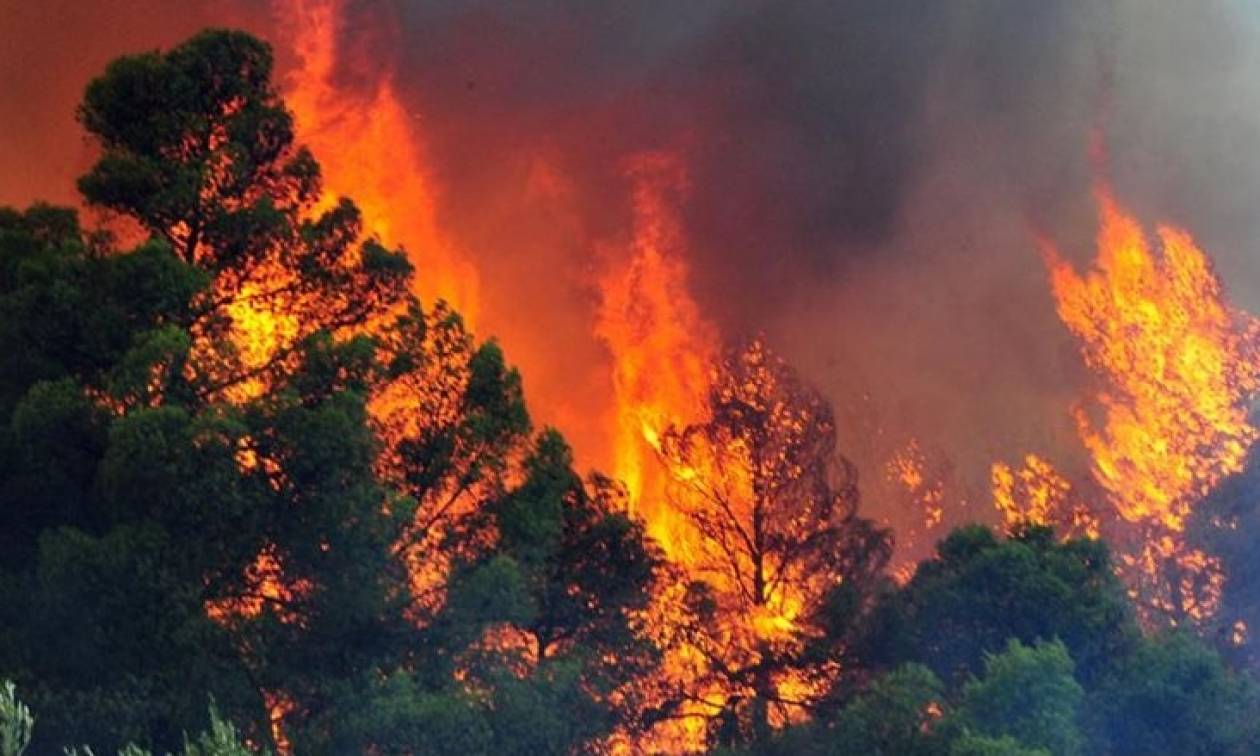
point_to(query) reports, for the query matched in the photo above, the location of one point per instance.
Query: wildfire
(1037, 494)
(723, 454)
(662, 349)
(908, 468)
(369, 149)
(1176, 369)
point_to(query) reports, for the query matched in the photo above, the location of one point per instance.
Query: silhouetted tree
(775, 539)
(980, 590)
(1173, 695)
(1226, 525)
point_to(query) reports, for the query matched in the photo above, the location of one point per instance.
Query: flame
(1175, 363)
(278, 706)
(269, 589)
(370, 149)
(1176, 366)
(1037, 494)
(908, 468)
(662, 348)
(664, 358)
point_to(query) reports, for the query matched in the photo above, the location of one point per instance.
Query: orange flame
(1175, 363)
(662, 348)
(1037, 494)
(369, 148)
(908, 468)
(664, 356)
(1177, 368)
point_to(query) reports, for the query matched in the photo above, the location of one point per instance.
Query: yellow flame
(1177, 366)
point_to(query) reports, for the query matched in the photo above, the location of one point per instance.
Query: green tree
(1225, 524)
(979, 591)
(556, 600)
(198, 148)
(982, 745)
(892, 716)
(1027, 694)
(182, 516)
(1025, 704)
(1173, 695)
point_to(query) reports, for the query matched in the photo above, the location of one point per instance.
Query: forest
(257, 497)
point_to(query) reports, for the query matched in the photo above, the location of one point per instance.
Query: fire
(278, 706)
(1175, 362)
(720, 494)
(369, 148)
(662, 348)
(270, 591)
(908, 468)
(1176, 366)
(1037, 494)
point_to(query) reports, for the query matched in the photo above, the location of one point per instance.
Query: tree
(892, 716)
(453, 424)
(187, 463)
(558, 600)
(776, 543)
(1225, 525)
(1025, 704)
(1173, 695)
(983, 745)
(197, 147)
(1027, 694)
(979, 591)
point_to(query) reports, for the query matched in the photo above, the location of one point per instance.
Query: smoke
(865, 176)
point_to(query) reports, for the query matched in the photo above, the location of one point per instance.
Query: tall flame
(370, 149)
(1175, 363)
(662, 348)
(664, 354)
(1177, 369)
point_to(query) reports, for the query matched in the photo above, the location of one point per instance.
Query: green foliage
(1027, 693)
(892, 716)
(982, 745)
(568, 573)
(398, 715)
(1174, 696)
(221, 739)
(196, 145)
(979, 591)
(16, 722)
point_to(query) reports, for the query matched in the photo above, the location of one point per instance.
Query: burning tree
(777, 555)
(237, 436)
